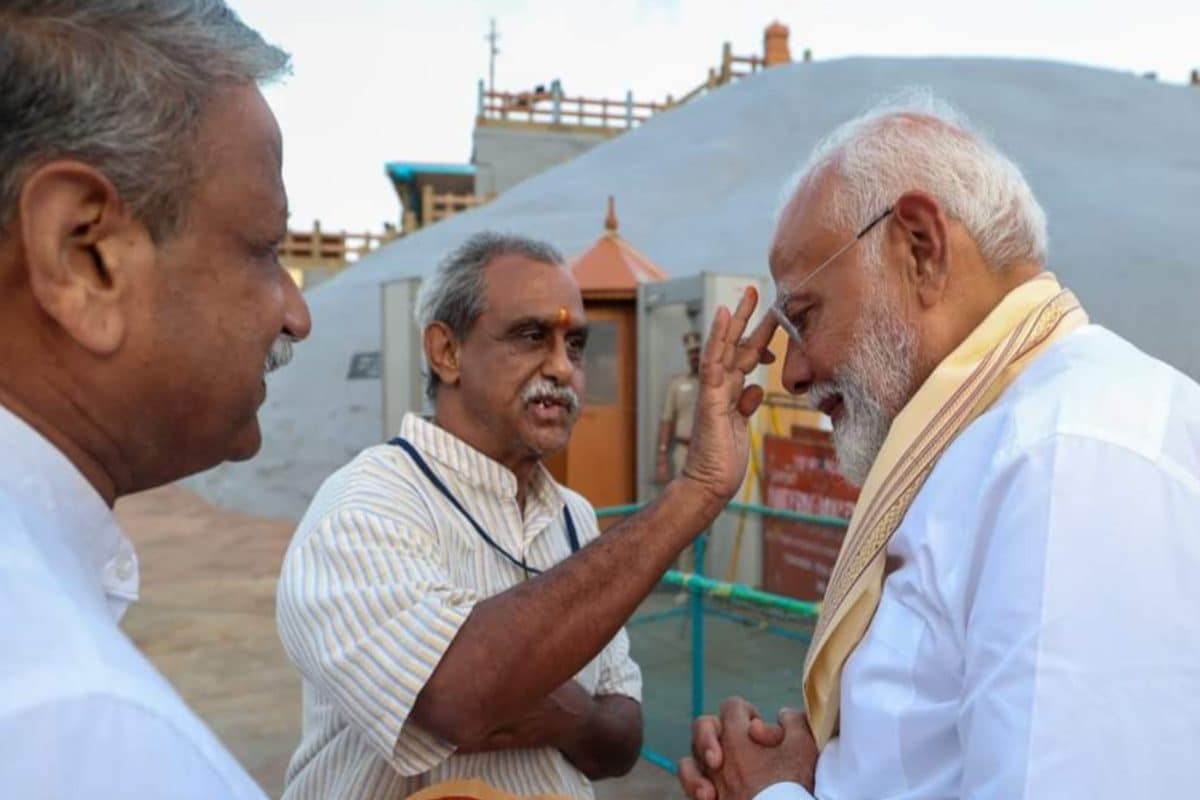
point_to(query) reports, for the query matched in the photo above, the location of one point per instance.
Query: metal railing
(702, 589)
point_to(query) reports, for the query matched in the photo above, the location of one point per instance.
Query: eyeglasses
(779, 306)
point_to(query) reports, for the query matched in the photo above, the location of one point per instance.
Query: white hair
(456, 293)
(915, 140)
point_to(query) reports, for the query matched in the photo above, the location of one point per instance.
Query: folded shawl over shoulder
(1029, 319)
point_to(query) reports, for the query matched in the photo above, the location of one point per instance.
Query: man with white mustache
(1012, 613)
(870, 386)
(452, 609)
(141, 211)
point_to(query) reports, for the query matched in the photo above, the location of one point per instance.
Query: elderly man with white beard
(1012, 611)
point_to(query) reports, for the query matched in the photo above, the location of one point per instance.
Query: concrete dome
(1113, 158)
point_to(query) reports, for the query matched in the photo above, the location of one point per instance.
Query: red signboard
(799, 474)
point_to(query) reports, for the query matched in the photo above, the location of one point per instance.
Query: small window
(601, 363)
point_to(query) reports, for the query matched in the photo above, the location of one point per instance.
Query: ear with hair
(442, 352)
(81, 249)
(926, 244)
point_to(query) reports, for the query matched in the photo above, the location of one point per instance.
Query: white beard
(873, 384)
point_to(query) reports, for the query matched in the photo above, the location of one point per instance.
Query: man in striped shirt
(431, 597)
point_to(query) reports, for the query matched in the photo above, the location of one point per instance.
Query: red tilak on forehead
(563, 320)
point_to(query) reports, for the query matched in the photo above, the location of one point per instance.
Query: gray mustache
(281, 353)
(544, 388)
(820, 392)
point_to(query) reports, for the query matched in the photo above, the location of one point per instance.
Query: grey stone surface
(503, 157)
(1114, 159)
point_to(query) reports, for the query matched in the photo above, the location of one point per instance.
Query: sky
(395, 80)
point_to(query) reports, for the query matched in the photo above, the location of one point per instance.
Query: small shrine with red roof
(608, 273)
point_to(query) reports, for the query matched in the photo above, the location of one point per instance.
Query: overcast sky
(391, 80)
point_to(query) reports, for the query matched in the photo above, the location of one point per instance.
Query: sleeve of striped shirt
(366, 612)
(619, 673)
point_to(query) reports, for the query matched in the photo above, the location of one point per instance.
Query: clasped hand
(738, 754)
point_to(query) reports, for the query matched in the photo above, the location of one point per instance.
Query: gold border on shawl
(880, 520)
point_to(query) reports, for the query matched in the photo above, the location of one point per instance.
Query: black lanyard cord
(572, 536)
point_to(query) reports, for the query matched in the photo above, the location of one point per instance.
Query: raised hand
(720, 445)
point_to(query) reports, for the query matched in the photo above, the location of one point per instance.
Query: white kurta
(1042, 638)
(82, 713)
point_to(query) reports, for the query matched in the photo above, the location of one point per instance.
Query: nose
(797, 375)
(297, 322)
(558, 365)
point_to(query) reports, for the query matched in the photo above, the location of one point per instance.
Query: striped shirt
(381, 574)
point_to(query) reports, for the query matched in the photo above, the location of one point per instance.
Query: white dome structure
(1113, 158)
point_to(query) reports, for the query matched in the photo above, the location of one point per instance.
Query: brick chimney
(775, 45)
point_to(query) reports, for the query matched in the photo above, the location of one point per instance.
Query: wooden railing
(333, 248)
(552, 107)
(435, 207)
(730, 69)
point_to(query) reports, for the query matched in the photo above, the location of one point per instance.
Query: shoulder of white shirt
(1087, 386)
(83, 662)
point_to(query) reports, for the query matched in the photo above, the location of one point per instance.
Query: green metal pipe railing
(699, 586)
(742, 593)
(619, 511)
(751, 508)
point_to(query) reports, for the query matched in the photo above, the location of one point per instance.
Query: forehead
(519, 286)
(802, 237)
(240, 156)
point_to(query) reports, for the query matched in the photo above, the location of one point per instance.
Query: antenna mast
(492, 38)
